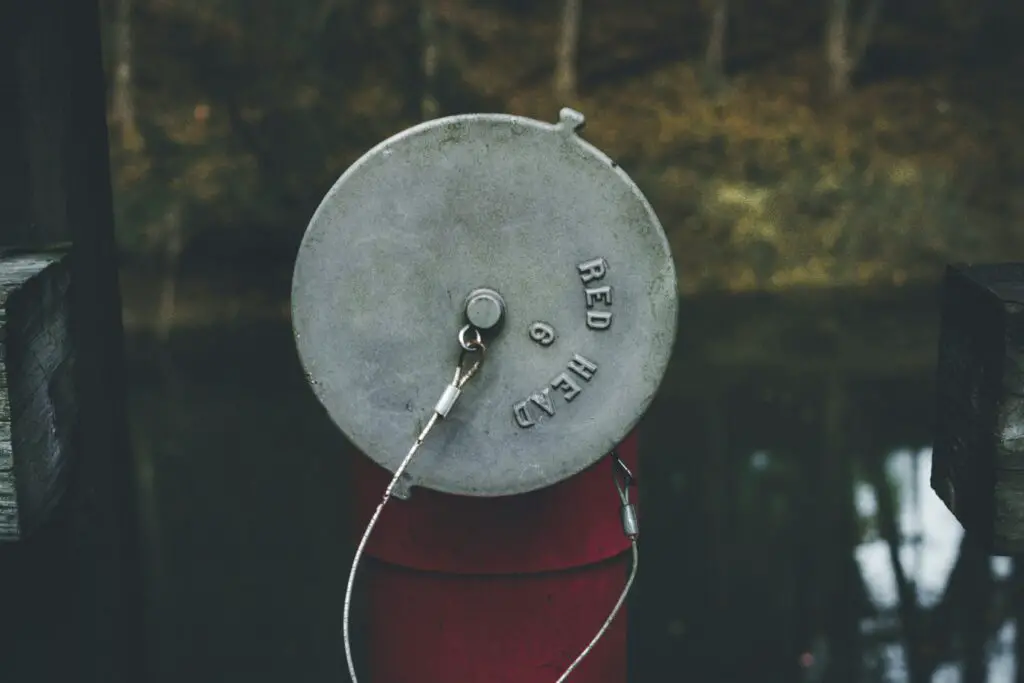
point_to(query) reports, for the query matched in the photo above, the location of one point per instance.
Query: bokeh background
(815, 164)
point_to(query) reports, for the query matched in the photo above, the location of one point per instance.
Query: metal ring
(474, 344)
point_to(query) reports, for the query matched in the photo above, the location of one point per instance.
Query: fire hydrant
(486, 305)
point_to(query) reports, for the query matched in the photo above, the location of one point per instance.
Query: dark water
(784, 428)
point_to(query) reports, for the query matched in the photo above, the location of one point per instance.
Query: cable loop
(623, 477)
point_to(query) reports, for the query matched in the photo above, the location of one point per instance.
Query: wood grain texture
(37, 408)
(978, 461)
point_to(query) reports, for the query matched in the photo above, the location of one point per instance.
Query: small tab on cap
(571, 121)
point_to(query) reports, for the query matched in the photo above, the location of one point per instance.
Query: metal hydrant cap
(521, 229)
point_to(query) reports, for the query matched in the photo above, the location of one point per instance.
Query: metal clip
(630, 521)
(447, 401)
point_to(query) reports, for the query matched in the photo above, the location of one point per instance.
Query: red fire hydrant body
(495, 590)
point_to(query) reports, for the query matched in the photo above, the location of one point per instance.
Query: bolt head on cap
(484, 309)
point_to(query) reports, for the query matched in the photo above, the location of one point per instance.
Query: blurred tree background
(805, 142)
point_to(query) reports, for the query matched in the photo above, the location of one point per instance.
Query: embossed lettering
(542, 400)
(582, 367)
(592, 270)
(522, 415)
(598, 294)
(589, 271)
(565, 384)
(599, 320)
(542, 333)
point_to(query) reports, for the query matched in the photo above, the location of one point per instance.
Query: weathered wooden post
(494, 298)
(37, 398)
(70, 568)
(978, 460)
